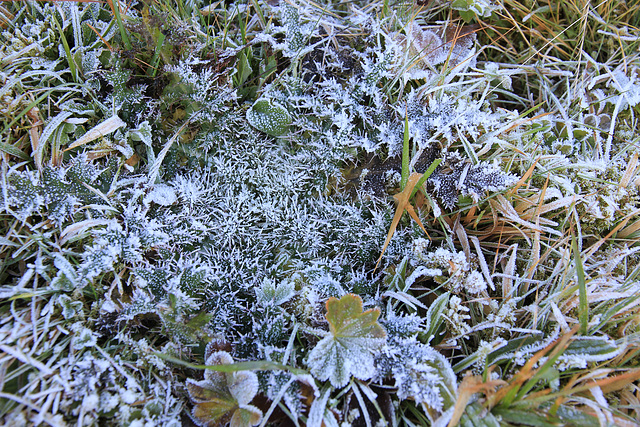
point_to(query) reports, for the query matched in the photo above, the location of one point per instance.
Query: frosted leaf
(243, 386)
(349, 347)
(328, 286)
(66, 279)
(419, 50)
(270, 117)
(223, 397)
(292, 389)
(462, 178)
(425, 44)
(161, 194)
(69, 307)
(402, 326)
(83, 337)
(295, 40)
(141, 303)
(475, 283)
(269, 293)
(420, 373)
(318, 413)
(142, 133)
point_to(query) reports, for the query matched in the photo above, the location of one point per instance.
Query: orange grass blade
(471, 385)
(402, 200)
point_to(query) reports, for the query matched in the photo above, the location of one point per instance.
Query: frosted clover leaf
(269, 293)
(222, 398)
(354, 336)
(269, 117)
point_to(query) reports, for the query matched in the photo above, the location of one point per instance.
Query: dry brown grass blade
(5, 17)
(606, 385)
(618, 382)
(535, 249)
(524, 178)
(402, 201)
(504, 207)
(506, 232)
(628, 174)
(528, 119)
(469, 386)
(600, 242)
(106, 43)
(631, 229)
(462, 236)
(34, 135)
(101, 129)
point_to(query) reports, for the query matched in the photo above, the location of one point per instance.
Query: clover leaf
(354, 336)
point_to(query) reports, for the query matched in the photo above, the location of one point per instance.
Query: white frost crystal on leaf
(223, 397)
(161, 194)
(452, 268)
(350, 346)
(270, 293)
(269, 117)
(420, 372)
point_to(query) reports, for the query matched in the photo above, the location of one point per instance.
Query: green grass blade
(155, 60)
(13, 151)
(426, 176)
(542, 371)
(254, 365)
(67, 51)
(37, 101)
(583, 305)
(405, 154)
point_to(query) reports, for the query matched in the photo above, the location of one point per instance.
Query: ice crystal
(420, 373)
(457, 316)
(272, 199)
(59, 192)
(420, 50)
(450, 268)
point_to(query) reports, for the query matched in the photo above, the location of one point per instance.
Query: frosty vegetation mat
(195, 197)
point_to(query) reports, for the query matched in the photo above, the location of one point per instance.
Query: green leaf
(143, 133)
(347, 320)
(244, 69)
(348, 349)
(269, 117)
(475, 415)
(527, 418)
(13, 151)
(254, 365)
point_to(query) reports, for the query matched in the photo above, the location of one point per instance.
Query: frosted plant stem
(153, 172)
(612, 127)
